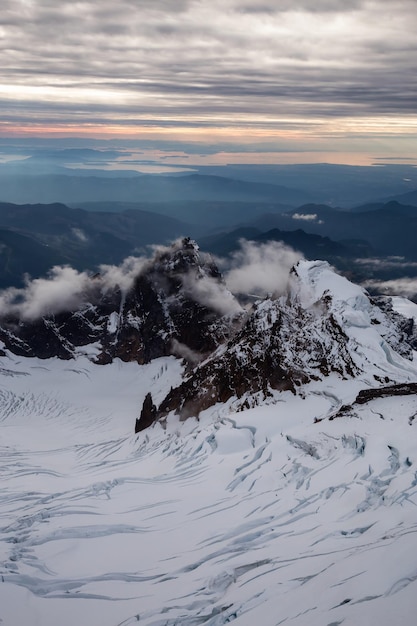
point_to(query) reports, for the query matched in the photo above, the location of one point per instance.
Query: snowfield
(301, 510)
(273, 515)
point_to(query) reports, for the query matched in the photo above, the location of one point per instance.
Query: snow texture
(292, 512)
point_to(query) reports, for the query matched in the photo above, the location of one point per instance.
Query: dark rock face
(367, 395)
(405, 339)
(280, 347)
(159, 311)
(404, 389)
(147, 415)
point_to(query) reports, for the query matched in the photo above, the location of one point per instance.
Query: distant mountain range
(405, 198)
(48, 180)
(390, 229)
(332, 184)
(312, 246)
(72, 189)
(33, 238)
(203, 215)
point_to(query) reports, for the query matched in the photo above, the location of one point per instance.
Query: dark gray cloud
(285, 6)
(219, 63)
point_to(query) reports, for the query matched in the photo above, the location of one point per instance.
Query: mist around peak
(253, 269)
(261, 268)
(67, 289)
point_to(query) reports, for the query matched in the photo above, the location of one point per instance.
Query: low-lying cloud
(255, 269)
(123, 275)
(209, 292)
(388, 263)
(306, 217)
(260, 269)
(79, 234)
(184, 352)
(66, 289)
(406, 287)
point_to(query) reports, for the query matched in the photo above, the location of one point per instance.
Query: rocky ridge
(178, 304)
(286, 342)
(165, 311)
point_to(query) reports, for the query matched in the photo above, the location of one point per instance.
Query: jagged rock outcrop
(167, 310)
(302, 336)
(367, 395)
(148, 413)
(404, 389)
(404, 336)
(281, 346)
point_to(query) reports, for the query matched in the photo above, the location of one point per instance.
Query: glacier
(287, 511)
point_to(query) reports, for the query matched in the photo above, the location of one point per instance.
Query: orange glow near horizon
(343, 140)
(243, 128)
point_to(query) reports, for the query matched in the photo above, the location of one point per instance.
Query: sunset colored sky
(216, 80)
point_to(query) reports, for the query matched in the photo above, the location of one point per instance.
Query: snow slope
(405, 307)
(273, 515)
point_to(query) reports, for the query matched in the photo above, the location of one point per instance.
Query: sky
(214, 81)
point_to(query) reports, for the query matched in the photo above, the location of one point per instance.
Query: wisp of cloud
(66, 289)
(405, 286)
(261, 268)
(209, 292)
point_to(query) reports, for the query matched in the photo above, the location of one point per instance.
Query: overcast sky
(274, 78)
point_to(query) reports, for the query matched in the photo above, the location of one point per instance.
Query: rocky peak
(181, 257)
(166, 310)
(401, 333)
(280, 346)
(322, 324)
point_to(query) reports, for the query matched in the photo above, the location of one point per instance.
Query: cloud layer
(406, 287)
(233, 63)
(256, 269)
(211, 293)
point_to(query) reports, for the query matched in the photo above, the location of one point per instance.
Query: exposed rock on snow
(405, 338)
(366, 395)
(280, 347)
(263, 517)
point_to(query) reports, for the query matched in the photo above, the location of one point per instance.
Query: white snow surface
(405, 307)
(272, 515)
(261, 516)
